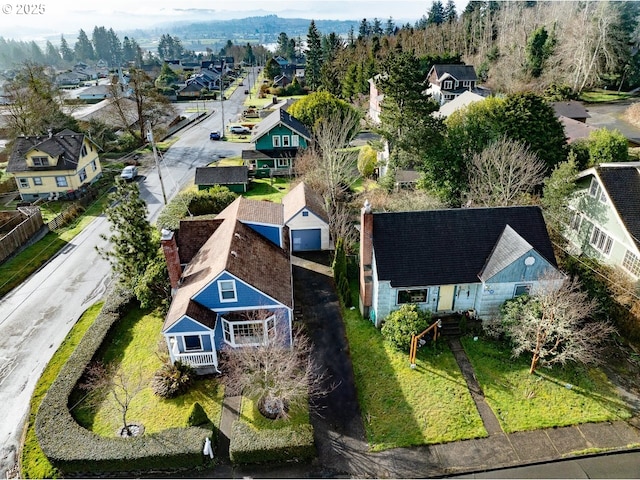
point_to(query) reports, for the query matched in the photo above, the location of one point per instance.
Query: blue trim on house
(186, 324)
(271, 233)
(246, 296)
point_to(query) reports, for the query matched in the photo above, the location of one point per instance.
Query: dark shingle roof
(221, 175)
(459, 72)
(623, 186)
(65, 145)
(275, 118)
(445, 247)
(570, 109)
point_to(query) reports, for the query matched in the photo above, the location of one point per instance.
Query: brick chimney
(366, 258)
(170, 249)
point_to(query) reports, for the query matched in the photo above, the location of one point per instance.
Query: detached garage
(307, 220)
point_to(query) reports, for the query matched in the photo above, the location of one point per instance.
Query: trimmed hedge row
(73, 449)
(289, 444)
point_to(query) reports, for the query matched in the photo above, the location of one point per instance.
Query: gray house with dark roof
(453, 260)
(605, 220)
(449, 81)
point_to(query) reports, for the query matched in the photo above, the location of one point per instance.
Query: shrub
(197, 416)
(195, 202)
(401, 324)
(73, 449)
(172, 380)
(289, 444)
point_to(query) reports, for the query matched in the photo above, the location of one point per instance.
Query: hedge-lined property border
(73, 449)
(290, 444)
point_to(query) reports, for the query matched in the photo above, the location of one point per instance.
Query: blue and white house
(235, 290)
(453, 260)
(307, 219)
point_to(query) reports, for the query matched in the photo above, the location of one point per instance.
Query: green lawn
(250, 415)
(268, 189)
(33, 461)
(15, 270)
(403, 407)
(601, 96)
(549, 398)
(136, 342)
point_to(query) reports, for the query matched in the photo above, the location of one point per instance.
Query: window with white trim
(283, 162)
(276, 140)
(93, 166)
(82, 174)
(24, 182)
(285, 141)
(447, 85)
(83, 151)
(631, 263)
(61, 182)
(192, 343)
(249, 332)
(596, 191)
(576, 221)
(295, 140)
(523, 289)
(601, 241)
(40, 161)
(227, 290)
(412, 296)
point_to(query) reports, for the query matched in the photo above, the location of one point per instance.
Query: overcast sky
(69, 16)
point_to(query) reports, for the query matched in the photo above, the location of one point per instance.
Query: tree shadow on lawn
(562, 396)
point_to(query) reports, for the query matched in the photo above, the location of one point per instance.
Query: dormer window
(447, 85)
(40, 161)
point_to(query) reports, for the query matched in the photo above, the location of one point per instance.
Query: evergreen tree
(365, 29)
(132, 237)
(249, 56)
(52, 54)
(314, 57)
(128, 52)
(436, 14)
(376, 29)
(272, 69)
(100, 40)
(450, 14)
(539, 48)
(83, 50)
(65, 51)
(390, 27)
(115, 48)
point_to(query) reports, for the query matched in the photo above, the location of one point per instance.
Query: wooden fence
(29, 222)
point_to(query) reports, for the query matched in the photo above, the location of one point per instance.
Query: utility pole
(155, 157)
(221, 95)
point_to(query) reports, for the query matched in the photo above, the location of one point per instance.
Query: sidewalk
(339, 433)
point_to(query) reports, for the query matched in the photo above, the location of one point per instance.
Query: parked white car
(129, 173)
(239, 130)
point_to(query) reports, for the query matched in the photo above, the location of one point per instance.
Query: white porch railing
(195, 360)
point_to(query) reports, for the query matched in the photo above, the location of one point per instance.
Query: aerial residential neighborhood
(399, 246)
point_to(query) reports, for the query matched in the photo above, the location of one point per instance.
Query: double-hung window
(295, 140)
(227, 290)
(61, 182)
(631, 263)
(24, 182)
(40, 161)
(285, 141)
(276, 141)
(601, 241)
(249, 332)
(82, 174)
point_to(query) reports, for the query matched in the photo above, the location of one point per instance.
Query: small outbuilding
(235, 179)
(307, 219)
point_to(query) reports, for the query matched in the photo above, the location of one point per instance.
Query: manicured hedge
(73, 449)
(289, 444)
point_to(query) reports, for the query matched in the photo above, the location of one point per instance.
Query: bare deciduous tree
(555, 325)
(116, 385)
(503, 174)
(275, 375)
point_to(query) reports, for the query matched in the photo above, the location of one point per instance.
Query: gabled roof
(65, 145)
(459, 72)
(256, 211)
(574, 129)
(221, 175)
(446, 247)
(301, 196)
(622, 183)
(276, 118)
(463, 100)
(570, 109)
(239, 250)
(509, 248)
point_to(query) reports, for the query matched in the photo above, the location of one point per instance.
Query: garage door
(306, 239)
